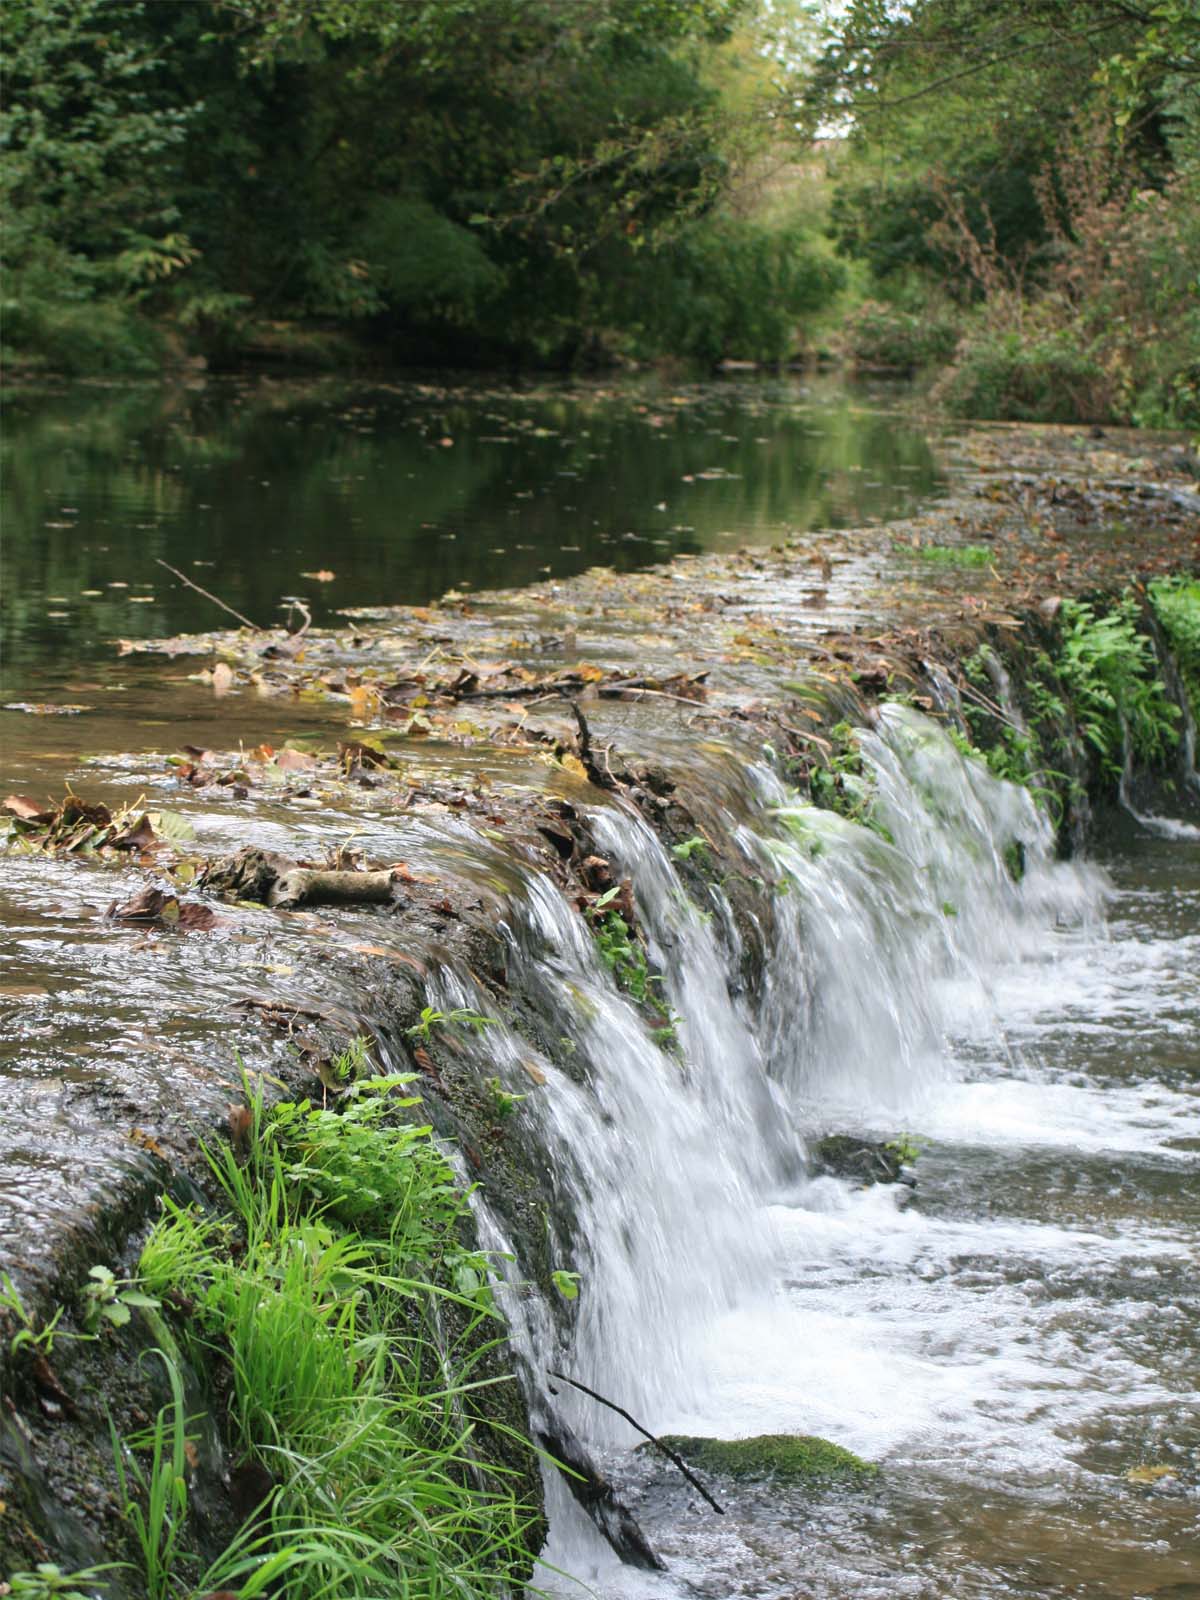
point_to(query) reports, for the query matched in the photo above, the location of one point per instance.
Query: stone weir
(537, 860)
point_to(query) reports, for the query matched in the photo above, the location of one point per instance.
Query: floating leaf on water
(39, 708)
(138, 835)
(153, 907)
(1149, 1474)
(323, 576)
(172, 826)
(222, 678)
(294, 761)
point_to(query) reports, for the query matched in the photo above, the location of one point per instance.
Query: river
(1014, 1340)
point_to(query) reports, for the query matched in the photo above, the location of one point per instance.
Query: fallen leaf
(39, 708)
(364, 702)
(172, 826)
(240, 1118)
(147, 1141)
(294, 761)
(139, 835)
(222, 678)
(150, 907)
(323, 576)
(26, 810)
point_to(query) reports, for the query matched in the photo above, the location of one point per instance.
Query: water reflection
(404, 491)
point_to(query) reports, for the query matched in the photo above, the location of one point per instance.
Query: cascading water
(728, 1293)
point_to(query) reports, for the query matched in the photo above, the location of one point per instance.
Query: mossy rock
(864, 1161)
(793, 1458)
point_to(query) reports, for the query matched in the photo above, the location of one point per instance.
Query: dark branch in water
(601, 778)
(634, 1423)
(183, 578)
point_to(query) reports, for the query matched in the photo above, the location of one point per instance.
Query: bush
(884, 336)
(726, 290)
(1040, 377)
(106, 337)
(1108, 328)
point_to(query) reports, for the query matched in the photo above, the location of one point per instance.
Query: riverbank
(467, 749)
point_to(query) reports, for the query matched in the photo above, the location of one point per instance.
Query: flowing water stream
(1013, 1342)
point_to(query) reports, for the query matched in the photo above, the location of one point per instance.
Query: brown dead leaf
(322, 576)
(239, 1118)
(222, 678)
(152, 907)
(294, 761)
(355, 753)
(364, 702)
(389, 955)
(139, 835)
(147, 1141)
(26, 810)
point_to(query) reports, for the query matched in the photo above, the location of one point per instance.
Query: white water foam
(911, 984)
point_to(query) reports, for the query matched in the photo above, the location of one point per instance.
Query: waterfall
(672, 1168)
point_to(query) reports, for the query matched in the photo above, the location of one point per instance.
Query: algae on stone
(796, 1458)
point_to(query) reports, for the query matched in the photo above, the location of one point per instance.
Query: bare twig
(602, 779)
(183, 578)
(645, 1432)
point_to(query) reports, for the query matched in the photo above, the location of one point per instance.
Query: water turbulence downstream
(1007, 1343)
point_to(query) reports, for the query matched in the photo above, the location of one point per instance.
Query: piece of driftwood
(314, 886)
(646, 1434)
(208, 595)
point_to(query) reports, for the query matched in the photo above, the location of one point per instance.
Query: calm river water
(403, 491)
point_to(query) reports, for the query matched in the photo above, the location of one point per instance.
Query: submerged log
(309, 886)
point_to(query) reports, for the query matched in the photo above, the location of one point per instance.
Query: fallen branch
(183, 578)
(602, 780)
(645, 1432)
(306, 886)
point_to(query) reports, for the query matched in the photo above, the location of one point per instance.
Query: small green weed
(687, 848)
(28, 1335)
(1177, 605)
(155, 1495)
(110, 1299)
(49, 1582)
(905, 1149)
(622, 951)
(567, 1283)
(955, 555)
(503, 1102)
(1110, 673)
(460, 1017)
(840, 784)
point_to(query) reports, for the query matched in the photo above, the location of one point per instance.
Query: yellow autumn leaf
(1148, 1474)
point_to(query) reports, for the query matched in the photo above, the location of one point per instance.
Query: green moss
(956, 555)
(795, 1458)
